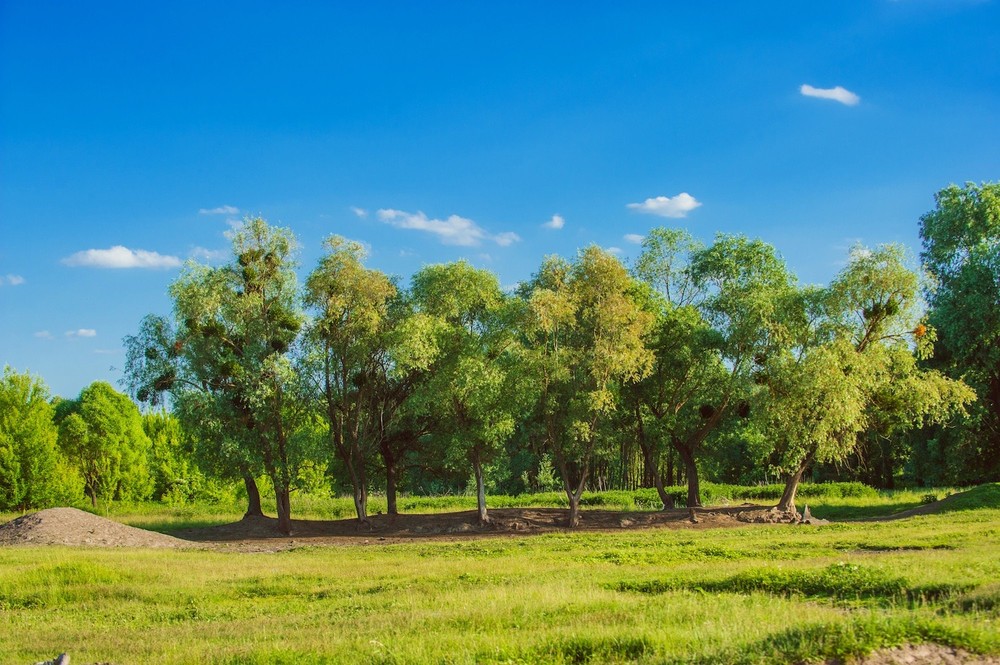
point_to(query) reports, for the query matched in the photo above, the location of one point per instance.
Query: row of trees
(698, 358)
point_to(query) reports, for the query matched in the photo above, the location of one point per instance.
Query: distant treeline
(698, 361)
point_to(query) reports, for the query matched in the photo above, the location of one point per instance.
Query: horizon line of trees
(698, 358)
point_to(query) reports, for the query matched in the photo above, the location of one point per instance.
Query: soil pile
(69, 526)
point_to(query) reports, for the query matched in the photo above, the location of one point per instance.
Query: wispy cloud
(107, 352)
(838, 94)
(633, 238)
(613, 250)
(667, 206)
(359, 212)
(221, 210)
(82, 332)
(207, 255)
(44, 334)
(12, 280)
(454, 230)
(557, 222)
(121, 257)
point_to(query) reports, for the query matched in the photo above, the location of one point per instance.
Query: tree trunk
(787, 502)
(93, 496)
(253, 497)
(283, 501)
(691, 471)
(477, 466)
(361, 503)
(666, 499)
(390, 484)
(574, 510)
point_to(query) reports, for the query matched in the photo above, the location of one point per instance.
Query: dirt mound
(925, 654)
(69, 526)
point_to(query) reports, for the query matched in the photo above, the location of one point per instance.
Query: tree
(348, 346)
(585, 334)
(102, 435)
(961, 250)
(471, 388)
(172, 366)
(227, 364)
(718, 311)
(843, 374)
(33, 471)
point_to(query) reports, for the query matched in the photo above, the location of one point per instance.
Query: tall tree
(349, 342)
(471, 388)
(585, 334)
(101, 433)
(843, 374)
(235, 327)
(33, 471)
(718, 311)
(961, 250)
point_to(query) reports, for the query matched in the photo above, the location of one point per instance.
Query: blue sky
(134, 134)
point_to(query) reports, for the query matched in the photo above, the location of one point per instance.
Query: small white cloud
(44, 334)
(208, 255)
(838, 94)
(452, 231)
(360, 212)
(667, 206)
(633, 238)
(506, 239)
(121, 257)
(557, 222)
(12, 280)
(107, 352)
(82, 332)
(613, 250)
(485, 257)
(221, 210)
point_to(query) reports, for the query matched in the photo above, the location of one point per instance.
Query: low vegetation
(756, 594)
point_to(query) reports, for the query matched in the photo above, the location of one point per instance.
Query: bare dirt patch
(924, 654)
(69, 526)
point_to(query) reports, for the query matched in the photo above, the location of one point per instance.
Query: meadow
(753, 594)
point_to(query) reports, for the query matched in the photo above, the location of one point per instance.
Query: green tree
(226, 359)
(102, 435)
(585, 332)
(471, 389)
(719, 311)
(961, 250)
(847, 371)
(33, 471)
(349, 345)
(176, 477)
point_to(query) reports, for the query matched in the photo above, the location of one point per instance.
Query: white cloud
(107, 352)
(452, 231)
(12, 280)
(557, 222)
(82, 332)
(208, 255)
(121, 257)
(613, 250)
(838, 94)
(43, 334)
(221, 210)
(633, 238)
(360, 212)
(667, 206)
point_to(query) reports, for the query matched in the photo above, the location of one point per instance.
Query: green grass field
(755, 594)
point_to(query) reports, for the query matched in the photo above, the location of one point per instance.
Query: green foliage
(102, 435)
(33, 471)
(961, 250)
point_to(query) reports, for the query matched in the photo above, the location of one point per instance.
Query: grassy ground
(755, 594)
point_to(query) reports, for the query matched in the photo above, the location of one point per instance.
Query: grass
(760, 594)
